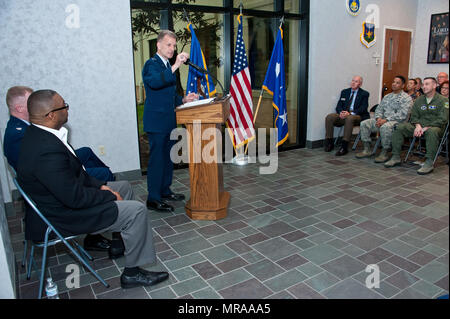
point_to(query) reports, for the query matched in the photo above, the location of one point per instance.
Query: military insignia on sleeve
(353, 7)
(446, 105)
(368, 37)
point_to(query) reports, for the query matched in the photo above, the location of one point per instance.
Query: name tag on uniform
(432, 107)
(424, 107)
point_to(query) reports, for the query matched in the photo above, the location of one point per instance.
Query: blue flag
(197, 79)
(274, 84)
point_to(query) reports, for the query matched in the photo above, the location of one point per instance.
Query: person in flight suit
(429, 117)
(159, 119)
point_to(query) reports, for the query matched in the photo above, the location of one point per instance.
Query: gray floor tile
(264, 269)
(344, 267)
(188, 286)
(246, 290)
(350, 289)
(285, 280)
(321, 254)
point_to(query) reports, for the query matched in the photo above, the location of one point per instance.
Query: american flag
(240, 120)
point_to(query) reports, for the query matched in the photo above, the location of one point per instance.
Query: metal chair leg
(377, 145)
(82, 250)
(25, 248)
(85, 263)
(30, 264)
(338, 138)
(356, 141)
(410, 149)
(44, 258)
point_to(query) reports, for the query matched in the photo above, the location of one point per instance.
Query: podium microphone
(202, 70)
(195, 66)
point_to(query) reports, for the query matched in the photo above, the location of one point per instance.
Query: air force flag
(274, 84)
(198, 82)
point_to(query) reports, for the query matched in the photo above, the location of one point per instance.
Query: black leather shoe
(174, 197)
(96, 243)
(143, 278)
(342, 151)
(159, 206)
(117, 249)
(329, 145)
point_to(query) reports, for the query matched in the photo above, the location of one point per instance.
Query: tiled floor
(308, 231)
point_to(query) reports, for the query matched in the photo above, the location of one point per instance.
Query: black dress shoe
(159, 206)
(174, 197)
(117, 249)
(96, 243)
(342, 151)
(143, 278)
(329, 145)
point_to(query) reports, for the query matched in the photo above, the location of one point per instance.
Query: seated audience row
(392, 118)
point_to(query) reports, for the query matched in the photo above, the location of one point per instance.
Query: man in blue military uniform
(159, 119)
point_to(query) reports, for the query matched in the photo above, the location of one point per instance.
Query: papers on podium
(195, 103)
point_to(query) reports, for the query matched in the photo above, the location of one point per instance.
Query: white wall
(90, 66)
(7, 269)
(425, 9)
(336, 53)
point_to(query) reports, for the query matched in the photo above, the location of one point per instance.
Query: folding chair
(443, 143)
(51, 242)
(355, 132)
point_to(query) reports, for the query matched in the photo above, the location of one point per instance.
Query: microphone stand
(203, 71)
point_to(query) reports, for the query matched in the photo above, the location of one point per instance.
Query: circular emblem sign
(353, 7)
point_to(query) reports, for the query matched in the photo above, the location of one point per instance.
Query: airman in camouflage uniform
(393, 109)
(429, 117)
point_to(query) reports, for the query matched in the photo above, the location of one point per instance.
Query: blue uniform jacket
(161, 97)
(360, 106)
(15, 130)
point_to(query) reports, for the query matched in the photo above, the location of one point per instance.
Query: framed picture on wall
(438, 43)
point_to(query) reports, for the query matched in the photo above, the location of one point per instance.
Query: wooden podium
(209, 200)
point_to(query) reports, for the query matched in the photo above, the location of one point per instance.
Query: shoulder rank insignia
(368, 37)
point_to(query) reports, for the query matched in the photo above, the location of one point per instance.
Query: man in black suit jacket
(350, 111)
(74, 202)
(16, 100)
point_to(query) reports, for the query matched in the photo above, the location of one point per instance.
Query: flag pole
(261, 94)
(240, 159)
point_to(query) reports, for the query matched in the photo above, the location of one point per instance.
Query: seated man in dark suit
(74, 202)
(16, 99)
(350, 111)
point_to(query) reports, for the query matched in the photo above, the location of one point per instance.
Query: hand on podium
(190, 97)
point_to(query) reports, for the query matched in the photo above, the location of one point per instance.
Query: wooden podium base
(210, 214)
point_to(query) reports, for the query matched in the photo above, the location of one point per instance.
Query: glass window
(145, 27)
(292, 6)
(215, 3)
(259, 40)
(208, 28)
(263, 5)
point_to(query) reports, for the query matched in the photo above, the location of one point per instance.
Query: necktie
(168, 65)
(350, 101)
